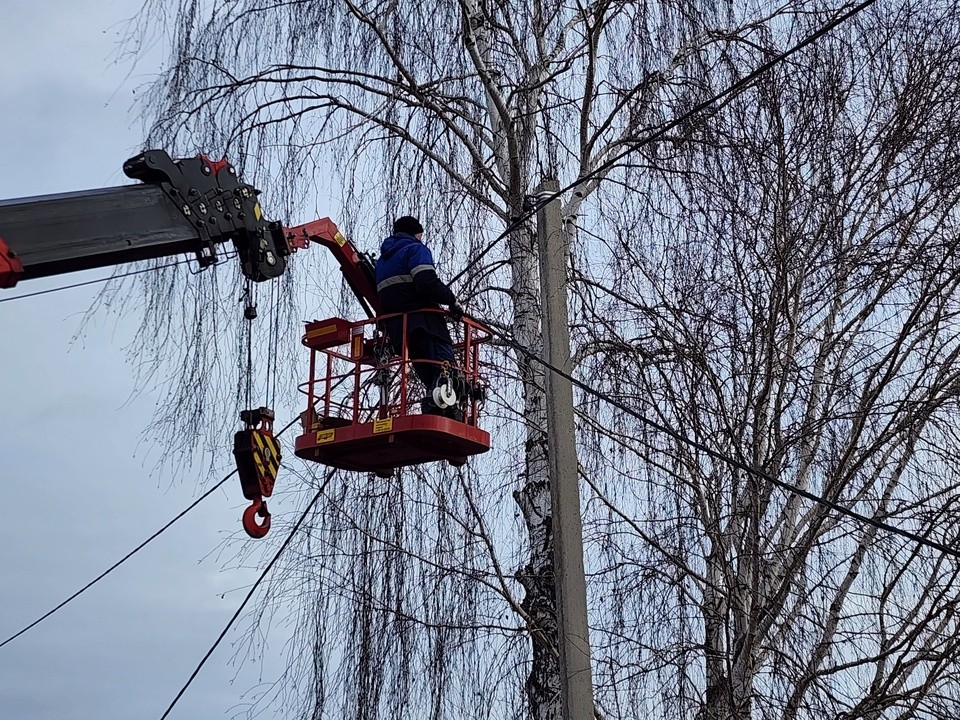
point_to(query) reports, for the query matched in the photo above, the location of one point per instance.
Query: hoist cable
(93, 282)
(634, 145)
(274, 346)
(253, 589)
(109, 278)
(721, 457)
(250, 306)
(133, 552)
(271, 345)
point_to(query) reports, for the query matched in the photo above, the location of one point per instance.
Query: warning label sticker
(382, 426)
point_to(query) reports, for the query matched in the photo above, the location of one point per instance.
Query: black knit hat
(408, 225)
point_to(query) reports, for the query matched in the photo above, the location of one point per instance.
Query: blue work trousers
(427, 339)
(422, 345)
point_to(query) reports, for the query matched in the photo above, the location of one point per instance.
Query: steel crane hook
(255, 530)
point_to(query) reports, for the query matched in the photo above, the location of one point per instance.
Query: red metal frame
(11, 269)
(347, 425)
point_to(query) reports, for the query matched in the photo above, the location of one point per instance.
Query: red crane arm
(357, 267)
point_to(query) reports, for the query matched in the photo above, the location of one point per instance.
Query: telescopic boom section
(357, 267)
(183, 206)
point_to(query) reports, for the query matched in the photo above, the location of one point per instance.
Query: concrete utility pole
(576, 677)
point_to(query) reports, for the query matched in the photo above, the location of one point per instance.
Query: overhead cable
(119, 562)
(253, 589)
(108, 278)
(91, 282)
(130, 554)
(721, 457)
(633, 146)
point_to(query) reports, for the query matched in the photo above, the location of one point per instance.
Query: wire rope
(92, 282)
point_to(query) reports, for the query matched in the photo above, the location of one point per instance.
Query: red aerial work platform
(364, 402)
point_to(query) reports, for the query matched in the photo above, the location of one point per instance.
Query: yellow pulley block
(258, 456)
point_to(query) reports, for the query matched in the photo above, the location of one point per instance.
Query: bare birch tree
(793, 304)
(778, 279)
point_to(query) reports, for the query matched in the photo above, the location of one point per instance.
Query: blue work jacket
(407, 281)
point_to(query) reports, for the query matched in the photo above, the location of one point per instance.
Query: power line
(253, 589)
(130, 554)
(119, 562)
(727, 95)
(632, 146)
(716, 455)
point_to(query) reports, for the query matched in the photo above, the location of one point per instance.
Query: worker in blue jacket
(406, 282)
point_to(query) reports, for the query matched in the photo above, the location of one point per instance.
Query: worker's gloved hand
(456, 312)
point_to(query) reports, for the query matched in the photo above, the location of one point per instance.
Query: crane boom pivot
(191, 205)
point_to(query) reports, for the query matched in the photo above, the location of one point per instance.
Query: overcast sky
(77, 493)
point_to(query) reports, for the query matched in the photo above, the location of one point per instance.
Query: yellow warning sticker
(341, 240)
(382, 426)
(257, 212)
(325, 330)
(325, 436)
